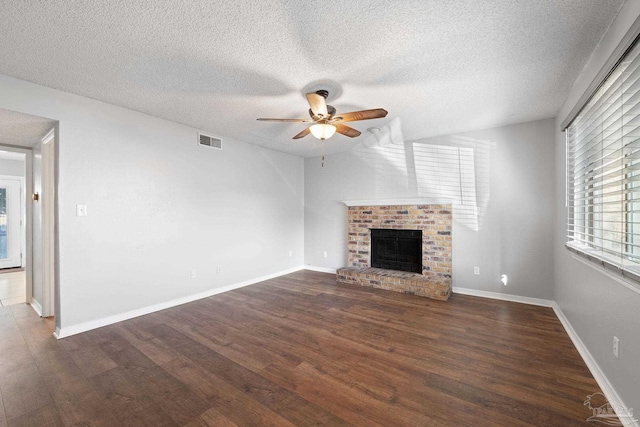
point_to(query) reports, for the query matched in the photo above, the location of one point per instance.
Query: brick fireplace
(434, 220)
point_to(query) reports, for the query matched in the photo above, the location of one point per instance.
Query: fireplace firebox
(396, 249)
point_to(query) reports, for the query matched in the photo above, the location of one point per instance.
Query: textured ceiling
(440, 66)
(23, 130)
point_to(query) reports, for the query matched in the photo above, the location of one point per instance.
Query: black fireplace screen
(397, 249)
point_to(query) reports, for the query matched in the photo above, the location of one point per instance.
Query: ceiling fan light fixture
(322, 131)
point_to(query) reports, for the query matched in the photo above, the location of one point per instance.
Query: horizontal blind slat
(603, 168)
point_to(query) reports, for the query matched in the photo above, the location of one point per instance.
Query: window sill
(629, 276)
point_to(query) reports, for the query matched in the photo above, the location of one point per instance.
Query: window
(603, 154)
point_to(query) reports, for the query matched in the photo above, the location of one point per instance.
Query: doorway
(35, 140)
(11, 222)
(13, 277)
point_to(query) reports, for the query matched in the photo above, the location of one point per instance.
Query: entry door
(10, 236)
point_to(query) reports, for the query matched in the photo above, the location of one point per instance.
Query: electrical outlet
(504, 279)
(290, 254)
(194, 274)
(324, 254)
(616, 347)
(219, 269)
(476, 271)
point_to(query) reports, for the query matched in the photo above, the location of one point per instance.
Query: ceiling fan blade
(347, 131)
(287, 120)
(353, 116)
(302, 134)
(318, 104)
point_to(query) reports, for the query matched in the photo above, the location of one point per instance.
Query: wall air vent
(209, 141)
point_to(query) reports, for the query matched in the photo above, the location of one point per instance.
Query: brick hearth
(399, 281)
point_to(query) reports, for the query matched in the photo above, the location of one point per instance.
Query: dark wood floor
(299, 350)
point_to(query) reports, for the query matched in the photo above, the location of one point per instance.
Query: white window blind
(603, 153)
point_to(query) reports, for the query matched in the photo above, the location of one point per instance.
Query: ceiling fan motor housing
(331, 111)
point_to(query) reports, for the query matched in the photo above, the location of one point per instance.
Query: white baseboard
(591, 363)
(98, 323)
(503, 297)
(36, 306)
(320, 269)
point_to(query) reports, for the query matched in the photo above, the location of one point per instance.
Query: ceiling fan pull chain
(322, 145)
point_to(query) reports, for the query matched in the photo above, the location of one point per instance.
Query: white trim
(503, 297)
(598, 374)
(36, 306)
(628, 283)
(47, 200)
(397, 202)
(320, 269)
(105, 321)
(49, 136)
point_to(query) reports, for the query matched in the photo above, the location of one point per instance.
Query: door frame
(28, 218)
(48, 306)
(49, 202)
(51, 288)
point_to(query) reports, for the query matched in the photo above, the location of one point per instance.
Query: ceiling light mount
(323, 93)
(330, 87)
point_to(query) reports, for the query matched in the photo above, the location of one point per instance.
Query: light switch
(81, 210)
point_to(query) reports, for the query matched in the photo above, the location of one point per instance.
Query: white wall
(159, 206)
(597, 306)
(12, 167)
(514, 174)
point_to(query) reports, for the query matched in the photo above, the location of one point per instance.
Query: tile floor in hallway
(12, 288)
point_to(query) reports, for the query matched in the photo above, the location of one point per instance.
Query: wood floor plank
(355, 404)
(147, 344)
(211, 417)
(280, 400)
(87, 355)
(235, 344)
(233, 403)
(327, 339)
(23, 392)
(130, 405)
(440, 369)
(15, 356)
(46, 416)
(177, 400)
(79, 405)
(3, 418)
(517, 409)
(299, 350)
(490, 382)
(57, 367)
